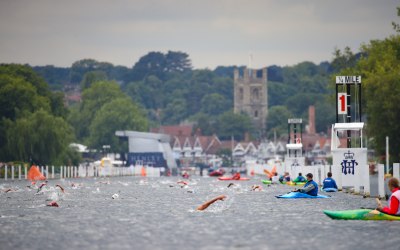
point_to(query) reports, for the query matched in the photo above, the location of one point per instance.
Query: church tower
(251, 96)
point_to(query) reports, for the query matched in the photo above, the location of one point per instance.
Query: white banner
(353, 165)
(293, 164)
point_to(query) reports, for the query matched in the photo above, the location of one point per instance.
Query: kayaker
(329, 182)
(236, 176)
(300, 178)
(393, 207)
(275, 178)
(208, 203)
(310, 188)
(285, 178)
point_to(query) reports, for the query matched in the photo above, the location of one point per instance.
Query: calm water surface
(157, 213)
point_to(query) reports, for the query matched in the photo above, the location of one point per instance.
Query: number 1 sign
(342, 103)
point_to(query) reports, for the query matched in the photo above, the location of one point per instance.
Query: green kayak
(360, 214)
(266, 181)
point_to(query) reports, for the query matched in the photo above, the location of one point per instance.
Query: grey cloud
(211, 32)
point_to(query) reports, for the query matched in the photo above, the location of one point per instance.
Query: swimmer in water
(231, 184)
(62, 189)
(208, 203)
(255, 188)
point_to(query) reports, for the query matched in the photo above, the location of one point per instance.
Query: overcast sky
(212, 32)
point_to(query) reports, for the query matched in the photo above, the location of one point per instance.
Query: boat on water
(296, 195)
(360, 214)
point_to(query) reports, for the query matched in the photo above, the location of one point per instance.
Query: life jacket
(329, 183)
(300, 178)
(236, 176)
(397, 195)
(314, 191)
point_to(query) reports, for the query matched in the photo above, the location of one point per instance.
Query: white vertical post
(19, 172)
(396, 170)
(387, 154)
(365, 180)
(41, 170)
(337, 174)
(357, 181)
(12, 172)
(47, 172)
(26, 171)
(52, 172)
(381, 180)
(5, 172)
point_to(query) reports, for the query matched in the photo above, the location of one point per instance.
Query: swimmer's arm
(208, 203)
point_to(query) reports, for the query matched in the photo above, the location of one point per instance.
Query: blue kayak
(294, 195)
(329, 189)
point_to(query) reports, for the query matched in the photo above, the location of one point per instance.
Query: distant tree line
(170, 92)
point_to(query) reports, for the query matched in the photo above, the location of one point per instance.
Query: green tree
(204, 123)
(91, 77)
(153, 63)
(277, 121)
(38, 137)
(175, 112)
(93, 99)
(215, 104)
(18, 95)
(81, 67)
(381, 82)
(177, 61)
(298, 104)
(236, 125)
(23, 92)
(118, 114)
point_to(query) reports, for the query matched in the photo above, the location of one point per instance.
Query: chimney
(311, 120)
(246, 137)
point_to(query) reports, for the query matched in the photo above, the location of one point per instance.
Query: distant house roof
(179, 130)
(73, 98)
(208, 144)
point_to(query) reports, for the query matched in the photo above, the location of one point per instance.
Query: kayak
(226, 178)
(291, 183)
(329, 189)
(266, 181)
(294, 195)
(360, 214)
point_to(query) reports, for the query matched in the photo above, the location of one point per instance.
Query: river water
(158, 213)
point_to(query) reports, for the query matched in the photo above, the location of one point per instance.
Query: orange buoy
(143, 173)
(34, 174)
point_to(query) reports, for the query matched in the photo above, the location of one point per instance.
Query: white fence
(19, 172)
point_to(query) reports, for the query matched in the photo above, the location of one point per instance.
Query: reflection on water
(160, 213)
